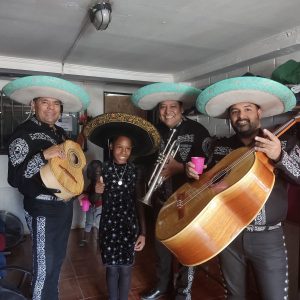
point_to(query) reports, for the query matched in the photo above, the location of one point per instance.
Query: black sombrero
(105, 127)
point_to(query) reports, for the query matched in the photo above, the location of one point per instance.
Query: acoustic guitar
(202, 217)
(66, 174)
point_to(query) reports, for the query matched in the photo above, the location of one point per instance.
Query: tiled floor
(83, 275)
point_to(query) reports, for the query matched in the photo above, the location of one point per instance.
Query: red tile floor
(83, 275)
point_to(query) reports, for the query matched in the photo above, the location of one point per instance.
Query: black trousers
(267, 254)
(164, 272)
(182, 283)
(49, 243)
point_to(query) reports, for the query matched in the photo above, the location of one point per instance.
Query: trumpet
(156, 178)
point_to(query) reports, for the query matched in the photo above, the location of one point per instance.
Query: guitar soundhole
(74, 159)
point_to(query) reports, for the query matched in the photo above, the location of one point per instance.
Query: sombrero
(150, 95)
(105, 127)
(272, 97)
(25, 89)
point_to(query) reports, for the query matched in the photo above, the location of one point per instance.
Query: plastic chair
(15, 281)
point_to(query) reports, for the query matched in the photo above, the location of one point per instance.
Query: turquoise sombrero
(150, 95)
(23, 90)
(272, 97)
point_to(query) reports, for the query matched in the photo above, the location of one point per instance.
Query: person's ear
(110, 146)
(259, 112)
(32, 104)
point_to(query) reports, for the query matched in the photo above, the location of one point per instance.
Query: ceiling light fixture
(100, 15)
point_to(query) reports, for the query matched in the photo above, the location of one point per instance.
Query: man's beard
(246, 130)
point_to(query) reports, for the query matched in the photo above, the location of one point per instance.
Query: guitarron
(202, 217)
(66, 174)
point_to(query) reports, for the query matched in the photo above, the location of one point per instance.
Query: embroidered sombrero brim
(272, 97)
(105, 127)
(23, 90)
(150, 95)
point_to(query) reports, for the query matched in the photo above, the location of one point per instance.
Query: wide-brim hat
(287, 73)
(23, 90)
(149, 96)
(105, 127)
(272, 97)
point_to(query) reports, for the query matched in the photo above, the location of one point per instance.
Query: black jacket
(25, 158)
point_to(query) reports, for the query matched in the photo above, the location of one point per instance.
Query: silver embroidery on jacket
(18, 151)
(46, 197)
(290, 164)
(283, 144)
(222, 150)
(184, 148)
(184, 151)
(261, 218)
(186, 138)
(42, 136)
(34, 165)
(295, 154)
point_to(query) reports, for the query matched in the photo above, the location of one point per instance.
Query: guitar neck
(283, 128)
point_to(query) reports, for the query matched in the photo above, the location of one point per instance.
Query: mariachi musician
(171, 99)
(31, 145)
(245, 101)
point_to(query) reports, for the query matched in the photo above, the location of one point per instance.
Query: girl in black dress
(122, 225)
(120, 231)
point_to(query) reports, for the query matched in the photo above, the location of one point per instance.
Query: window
(11, 115)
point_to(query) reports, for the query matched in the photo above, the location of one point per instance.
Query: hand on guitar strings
(54, 151)
(269, 144)
(191, 172)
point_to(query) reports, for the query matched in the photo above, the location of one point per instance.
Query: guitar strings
(219, 175)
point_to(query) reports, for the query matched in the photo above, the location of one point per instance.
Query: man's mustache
(242, 120)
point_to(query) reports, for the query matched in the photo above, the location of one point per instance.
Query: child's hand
(99, 187)
(140, 243)
(80, 197)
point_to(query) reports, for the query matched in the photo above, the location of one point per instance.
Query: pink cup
(85, 204)
(198, 161)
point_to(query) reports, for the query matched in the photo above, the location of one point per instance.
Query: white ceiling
(147, 40)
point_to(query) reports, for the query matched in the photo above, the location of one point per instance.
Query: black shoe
(153, 294)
